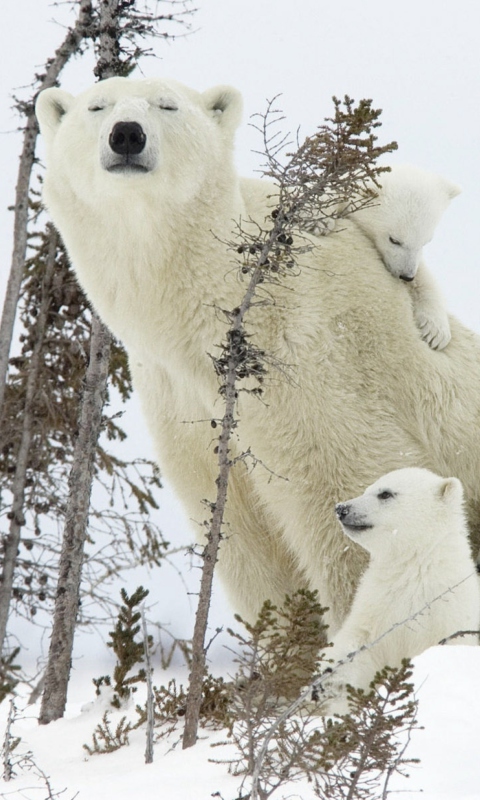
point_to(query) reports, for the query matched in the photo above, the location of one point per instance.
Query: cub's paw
(434, 327)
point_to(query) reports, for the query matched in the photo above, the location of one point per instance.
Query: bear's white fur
(400, 221)
(412, 523)
(146, 236)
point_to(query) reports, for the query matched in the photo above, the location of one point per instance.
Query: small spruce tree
(128, 650)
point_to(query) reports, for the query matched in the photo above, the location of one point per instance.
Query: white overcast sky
(418, 59)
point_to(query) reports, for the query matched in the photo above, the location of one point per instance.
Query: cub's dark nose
(407, 278)
(127, 138)
(341, 510)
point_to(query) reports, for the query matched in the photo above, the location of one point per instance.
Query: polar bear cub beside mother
(412, 523)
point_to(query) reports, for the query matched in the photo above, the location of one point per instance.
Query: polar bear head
(402, 219)
(404, 510)
(153, 138)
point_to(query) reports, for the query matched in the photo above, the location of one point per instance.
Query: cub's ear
(451, 490)
(451, 189)
(225, 104)
(50, 107)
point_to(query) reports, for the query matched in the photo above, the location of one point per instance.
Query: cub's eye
(385, 495)
(394, 241)
(96, 107)
(166, 106)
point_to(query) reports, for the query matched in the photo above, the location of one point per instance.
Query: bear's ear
(225, 104)
(451, 189)
(50, 107)
(451, 490)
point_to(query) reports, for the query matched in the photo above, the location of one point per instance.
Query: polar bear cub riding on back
(400, 221)
(421, 584)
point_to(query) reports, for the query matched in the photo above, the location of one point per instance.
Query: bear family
(141, 184)
(420, 586)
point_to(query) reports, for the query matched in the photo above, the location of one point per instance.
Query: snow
(418, 62)
(447, 681)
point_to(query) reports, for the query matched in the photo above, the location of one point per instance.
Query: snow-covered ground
(447, 681)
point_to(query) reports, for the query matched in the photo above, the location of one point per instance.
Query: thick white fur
(149, 251)
(412, 523)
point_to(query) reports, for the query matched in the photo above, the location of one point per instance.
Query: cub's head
(404, 510)
(403, 218)
(150, 136)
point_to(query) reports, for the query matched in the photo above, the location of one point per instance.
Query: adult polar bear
(141, 184)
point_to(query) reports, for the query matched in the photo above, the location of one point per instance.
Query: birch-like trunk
(150, 697)
(53, 69)
(76, 522)
(67, 599)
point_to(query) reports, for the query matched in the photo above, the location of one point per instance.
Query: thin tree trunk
(57, 673)
(150, 700)
(108, 60)
(70, 569)
(11, 542)
(53, 69)
(236, 357)
(210, 553)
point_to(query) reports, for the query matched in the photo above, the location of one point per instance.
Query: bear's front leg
(429, 310)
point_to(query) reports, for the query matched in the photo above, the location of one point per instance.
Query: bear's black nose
(341, 510)
(127, 138)
(407, 278)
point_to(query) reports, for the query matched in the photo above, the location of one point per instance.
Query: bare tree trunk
(8, 772)
(53, 68)
(57, 674)
(235, 354)
(68, 590)
(210, 555)
(16, 514)
(150, 700)
(108, 52)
